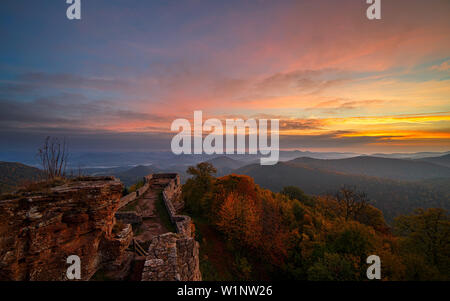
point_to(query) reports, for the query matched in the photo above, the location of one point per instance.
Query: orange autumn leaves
(294, 236)
(249, 216)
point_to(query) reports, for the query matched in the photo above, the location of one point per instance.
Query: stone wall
(173, 256)
(134, 195)
(132, 217)
(129, 217)
(39, 230)
(183, 223)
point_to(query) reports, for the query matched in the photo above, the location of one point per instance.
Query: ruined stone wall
(173, 256)
(129, 217)
(39, 230)
(188, 259)
(134, 195)
(183, 223)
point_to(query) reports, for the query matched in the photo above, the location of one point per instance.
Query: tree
(427, 233)
(352, 202)
(202, 170)
(326, 238)
(239, 217)
(373, 217)
(332, 267)
(296, 193)
(229, 217)
(53, 156)
(197, 190)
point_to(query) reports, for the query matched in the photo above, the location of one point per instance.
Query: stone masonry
(173, 256)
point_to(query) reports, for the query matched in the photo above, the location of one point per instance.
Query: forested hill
(250, 233)
(225, 165)
(442, 160)
(391, 196)
(396, 169)
(15, 174)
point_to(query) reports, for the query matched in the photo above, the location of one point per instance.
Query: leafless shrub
(53, 156)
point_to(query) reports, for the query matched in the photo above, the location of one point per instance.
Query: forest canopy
(294, 236)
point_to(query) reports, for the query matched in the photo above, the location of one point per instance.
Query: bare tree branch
(53, 156)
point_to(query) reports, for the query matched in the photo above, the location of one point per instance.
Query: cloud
(300, 60)
(16, 88)
(337, 106)
(64, 80)
(330, 140)
(81, 139)
(444, 66)
(74, 111)
(301, 81)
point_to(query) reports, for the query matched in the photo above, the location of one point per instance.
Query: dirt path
(151, 225)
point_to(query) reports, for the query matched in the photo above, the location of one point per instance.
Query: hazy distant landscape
(395, 183)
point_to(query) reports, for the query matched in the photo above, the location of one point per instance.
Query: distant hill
(224, 161)
(392, 197)
(289, 155)
(135, 174)
(420, 155)
(442, 160)
(396, 169)
(14, 174)
(225, 165)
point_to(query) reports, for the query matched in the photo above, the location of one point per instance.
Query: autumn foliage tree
(197, 190)
(426, 237)
(238, 218)
(294, 236)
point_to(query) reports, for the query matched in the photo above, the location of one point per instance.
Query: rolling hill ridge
(395, 169)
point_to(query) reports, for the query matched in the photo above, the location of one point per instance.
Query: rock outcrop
(38, 231)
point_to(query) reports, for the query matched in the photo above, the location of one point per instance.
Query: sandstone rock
(39, 231)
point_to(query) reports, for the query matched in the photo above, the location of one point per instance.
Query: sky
(116, 79)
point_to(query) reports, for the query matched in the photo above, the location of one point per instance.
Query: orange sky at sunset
(336, 80)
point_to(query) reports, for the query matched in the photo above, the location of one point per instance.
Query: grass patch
(163, 214)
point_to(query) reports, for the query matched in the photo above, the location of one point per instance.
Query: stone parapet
(173, 256)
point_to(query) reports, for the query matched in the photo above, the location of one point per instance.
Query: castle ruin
(116, 238)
